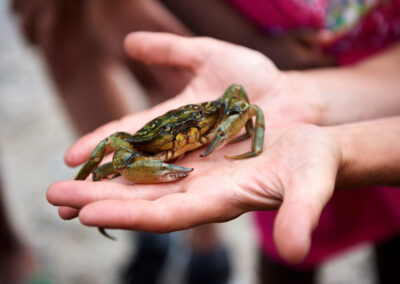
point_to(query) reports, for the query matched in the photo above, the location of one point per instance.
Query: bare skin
(298, 161)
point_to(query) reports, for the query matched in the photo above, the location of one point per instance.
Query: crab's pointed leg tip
(204, 154)
(188, 170)
(173, 169)
(105, 234)
(172, 172)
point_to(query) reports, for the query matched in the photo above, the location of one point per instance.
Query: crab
(142, 157)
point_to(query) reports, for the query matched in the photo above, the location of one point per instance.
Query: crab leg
(257, 138)
(237, 91)
(249, 132)
(226, 131)
(104, 171)
(114, 142)
(232, 125)
(234, 90)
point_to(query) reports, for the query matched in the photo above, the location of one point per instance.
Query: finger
(163, 49)
(169, 213)
(79, 193)
(299, 213)
(67, 213)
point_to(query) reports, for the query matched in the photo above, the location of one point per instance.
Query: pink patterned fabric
(282, 15)
(377, 28)
(352, 216)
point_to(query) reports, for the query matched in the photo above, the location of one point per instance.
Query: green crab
(142, 157)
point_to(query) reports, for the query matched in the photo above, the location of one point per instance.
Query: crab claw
(171, 172)
(153, 171)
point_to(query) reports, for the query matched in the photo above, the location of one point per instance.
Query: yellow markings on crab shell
(193, 135)
(180, 140)
(187, 141)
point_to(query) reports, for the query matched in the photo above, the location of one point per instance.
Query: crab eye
(166, 128)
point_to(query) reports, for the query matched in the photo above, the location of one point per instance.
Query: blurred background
(36, 128)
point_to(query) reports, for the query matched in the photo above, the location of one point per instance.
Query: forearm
(363, 91)
(370, 152)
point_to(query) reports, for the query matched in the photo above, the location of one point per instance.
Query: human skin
(370, 151)
(298, 168)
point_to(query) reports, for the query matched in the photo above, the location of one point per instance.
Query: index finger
(164, 49)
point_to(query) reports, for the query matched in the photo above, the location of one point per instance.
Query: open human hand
(296, 173)
(211, 66)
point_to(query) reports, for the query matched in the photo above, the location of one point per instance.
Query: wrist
(345, 141)
(370, 152)
(304, 85)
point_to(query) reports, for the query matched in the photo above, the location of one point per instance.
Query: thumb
(163, 49)
(304, 199)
